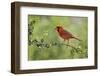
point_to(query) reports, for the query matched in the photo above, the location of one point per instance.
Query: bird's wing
(66, 33)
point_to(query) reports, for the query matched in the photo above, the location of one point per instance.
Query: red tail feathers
(76, 38)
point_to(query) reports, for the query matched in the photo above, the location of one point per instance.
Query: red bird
(65, 34)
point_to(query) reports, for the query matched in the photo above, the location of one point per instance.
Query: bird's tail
(76, 38)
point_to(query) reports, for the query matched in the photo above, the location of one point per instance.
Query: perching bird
(65, 34)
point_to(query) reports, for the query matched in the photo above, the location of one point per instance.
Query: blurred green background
(44, 43)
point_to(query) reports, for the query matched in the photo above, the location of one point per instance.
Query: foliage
(44, 42)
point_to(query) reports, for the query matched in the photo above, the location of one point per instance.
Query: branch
(71, 46)
(47, 45)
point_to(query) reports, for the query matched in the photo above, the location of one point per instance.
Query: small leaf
(42, 40)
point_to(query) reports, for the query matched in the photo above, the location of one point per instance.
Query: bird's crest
(59, 26)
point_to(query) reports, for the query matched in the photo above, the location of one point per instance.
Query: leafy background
(44, 42)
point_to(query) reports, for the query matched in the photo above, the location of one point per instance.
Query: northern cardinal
(65, 34)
